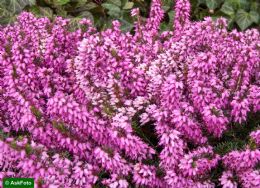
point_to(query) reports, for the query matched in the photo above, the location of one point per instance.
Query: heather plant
(89, 108)
(240, 14)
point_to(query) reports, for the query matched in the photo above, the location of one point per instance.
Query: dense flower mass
(90, 108)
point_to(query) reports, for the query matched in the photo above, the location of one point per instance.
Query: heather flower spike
(88, 108)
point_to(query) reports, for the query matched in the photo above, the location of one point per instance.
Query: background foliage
(242, 14)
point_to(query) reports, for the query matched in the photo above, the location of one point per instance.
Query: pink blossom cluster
(75, 106)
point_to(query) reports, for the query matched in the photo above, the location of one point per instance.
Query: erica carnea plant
(148, 109)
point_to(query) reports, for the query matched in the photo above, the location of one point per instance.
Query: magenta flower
(135, 12)
(87, 108)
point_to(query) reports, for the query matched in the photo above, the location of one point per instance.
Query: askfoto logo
(18, 183)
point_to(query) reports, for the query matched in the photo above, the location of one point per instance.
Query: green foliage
(9, 9)
(36, 113)
(237, 137)
(241, 14)
(28, 149)
(245, 19)
(146, 132)
(17, 6)
(225, 147)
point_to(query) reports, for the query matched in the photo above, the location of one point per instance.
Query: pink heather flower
(214, 117)
(154, 20)
(182, 14)
(240, 161)
(122, 134)
(255, 135)
(240, 108)
(198, 162)
(86, 107)
(254, 97)
(135, 12)
(116, 182)
(111, 161)
(227, 180)
(54, 170)
(250, 178)
(173, 150)
(145, 175)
